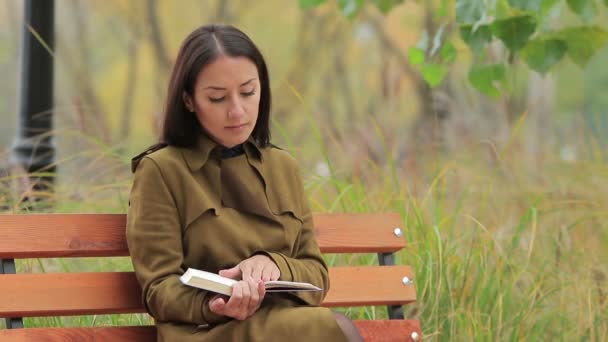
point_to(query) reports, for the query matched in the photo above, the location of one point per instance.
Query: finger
(261, 290)
(268, 271)
(246, 269)
(217, 305)
(258, 270)
(276, 274)
(243, 310)
(234, 303)
(233, 273)
(254, 299)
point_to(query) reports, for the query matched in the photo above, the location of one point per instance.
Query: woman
(216, 195)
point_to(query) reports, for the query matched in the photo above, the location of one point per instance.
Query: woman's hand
(247, 294)
(258, 267)
(246, 298)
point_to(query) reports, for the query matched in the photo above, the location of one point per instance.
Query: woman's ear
(188, 101)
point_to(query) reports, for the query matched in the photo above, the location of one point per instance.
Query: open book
(216, 283)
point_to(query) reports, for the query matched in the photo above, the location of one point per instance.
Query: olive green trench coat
(191, 208)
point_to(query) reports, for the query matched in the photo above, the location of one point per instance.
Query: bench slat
(369, 285)
(65, 294)
(93, 334)
(372, 331)
(95, 235)
(62, 235)
(358, 233)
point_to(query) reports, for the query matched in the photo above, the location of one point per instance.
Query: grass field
(503, 249)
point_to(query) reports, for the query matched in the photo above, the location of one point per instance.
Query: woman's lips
(237, 127)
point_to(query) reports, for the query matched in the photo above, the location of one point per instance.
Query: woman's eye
(217, 99)
(249, 93)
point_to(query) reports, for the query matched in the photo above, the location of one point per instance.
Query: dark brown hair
(203, 46)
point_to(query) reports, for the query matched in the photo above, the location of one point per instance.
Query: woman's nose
(235, 110)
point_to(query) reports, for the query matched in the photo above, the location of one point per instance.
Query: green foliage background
(486, 131)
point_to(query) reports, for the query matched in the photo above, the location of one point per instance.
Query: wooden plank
(62, 235)
(369, 285)
(372, 331)
(389, 330)
(65, 294)
(92, 334)
(88, 235)
(358, 233)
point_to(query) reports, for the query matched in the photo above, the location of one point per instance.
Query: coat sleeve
(154, 237)
(306, 264)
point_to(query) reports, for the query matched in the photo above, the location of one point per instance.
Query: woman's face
(226, 99)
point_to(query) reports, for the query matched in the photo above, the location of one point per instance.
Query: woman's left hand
(258, 267)
(246, 298)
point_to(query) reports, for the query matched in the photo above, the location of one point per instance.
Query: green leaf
(515, 31)
(470, 11)
(583, 42)
(306, 4)
(350, 8)
(584, 8)
(448, 52)
(416, 56)
(542, 54)
(483, 78)
(443, 10)
(502, 10)
(526, 5)
(477, 39)
(433, 74)
(606, 3)
(386, 5)
(547, 5)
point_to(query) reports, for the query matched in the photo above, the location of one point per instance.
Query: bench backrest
(103, 235)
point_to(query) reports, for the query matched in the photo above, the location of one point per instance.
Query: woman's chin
(235, 140)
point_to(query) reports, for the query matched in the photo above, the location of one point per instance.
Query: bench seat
(96, 293)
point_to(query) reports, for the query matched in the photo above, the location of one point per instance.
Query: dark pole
(33, 148)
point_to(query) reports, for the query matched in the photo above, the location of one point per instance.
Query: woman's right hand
(246, 298)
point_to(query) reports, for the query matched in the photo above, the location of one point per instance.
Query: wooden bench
(103, 235)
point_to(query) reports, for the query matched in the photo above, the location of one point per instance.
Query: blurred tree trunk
(336, 120)
(224, 12)
(351, 113)
(130, 86)
(155, 34)
(424, 133)
(163, 61)
(87, 101)
(134, 36)
(312, 27)
(540, 103)
(427, 130)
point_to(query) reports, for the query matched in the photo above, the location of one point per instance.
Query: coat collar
(206, 148)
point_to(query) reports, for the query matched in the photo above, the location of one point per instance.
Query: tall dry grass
(503, 249)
